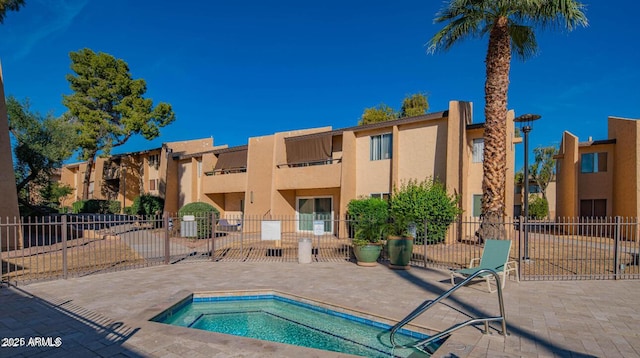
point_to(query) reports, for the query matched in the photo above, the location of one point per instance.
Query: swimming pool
(279, 317)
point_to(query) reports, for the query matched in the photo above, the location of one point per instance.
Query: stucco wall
(567, 167)
(422, 150)
(184, 183)
(372, 176)
(626, 180)
(9, 202)
(472, 175)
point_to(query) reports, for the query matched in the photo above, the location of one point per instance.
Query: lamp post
(525, 122)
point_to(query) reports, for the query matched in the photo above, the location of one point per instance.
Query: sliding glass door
(310, 209)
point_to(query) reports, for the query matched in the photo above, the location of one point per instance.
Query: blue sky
(237, 69)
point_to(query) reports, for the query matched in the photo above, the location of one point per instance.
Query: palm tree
(510, 25)
(7, 5)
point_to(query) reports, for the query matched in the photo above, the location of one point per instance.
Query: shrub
(203, 213)
(538, 207)
(370, 216)
(147, 204)
(419, 202)
(96, 206)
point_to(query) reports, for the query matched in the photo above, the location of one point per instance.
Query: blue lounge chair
(495, 256)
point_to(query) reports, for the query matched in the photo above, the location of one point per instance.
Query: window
(153, 184)
(383, 196)
(199, 168)
(477, 205)
(593, 208)
(593, 162)
(478, 150)
(154, 160)
(381, 146)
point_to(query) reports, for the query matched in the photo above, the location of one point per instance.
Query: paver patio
(107, 315)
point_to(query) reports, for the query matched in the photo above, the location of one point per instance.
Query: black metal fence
(62, 246)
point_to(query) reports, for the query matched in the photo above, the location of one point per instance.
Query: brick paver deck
(107, 315)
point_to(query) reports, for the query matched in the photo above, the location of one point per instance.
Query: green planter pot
(367, 255)
(399, 249)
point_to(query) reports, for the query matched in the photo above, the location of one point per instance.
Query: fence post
(616, 248)
(167, 246)
(424, 242)
(214, 222)
(520, 245)
(64, 247)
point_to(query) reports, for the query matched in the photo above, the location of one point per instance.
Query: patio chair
(495, 256)
(225, 226)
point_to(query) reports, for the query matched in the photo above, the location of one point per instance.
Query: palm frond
(523, 41)
(466, 18)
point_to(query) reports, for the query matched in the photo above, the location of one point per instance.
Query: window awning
(308, 149)
(232, 160)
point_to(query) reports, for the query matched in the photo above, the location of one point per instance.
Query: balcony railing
(111, 173)
(309, 164)
(226, 171)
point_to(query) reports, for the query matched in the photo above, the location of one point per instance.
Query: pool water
(285, 320)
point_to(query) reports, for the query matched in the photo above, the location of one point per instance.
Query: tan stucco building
(10, 239)
(316, 172)
(124, 177)
(308, 172)
(600, 178)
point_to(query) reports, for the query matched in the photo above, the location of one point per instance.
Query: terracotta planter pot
(400, 249)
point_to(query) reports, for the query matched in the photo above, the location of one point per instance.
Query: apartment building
(535, 191)
(598, 178)
(308, 173)
(316, 172)
(123, 177)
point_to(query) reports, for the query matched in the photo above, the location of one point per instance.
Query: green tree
(423, 202)
(510, 26)
(543, 168)
(414, 105)
(42, 144)
(9, 5)
(380, 113)
(109, 106)
(52, 192)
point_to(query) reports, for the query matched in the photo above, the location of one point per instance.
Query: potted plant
(412, 205)
(402, 234)
(369, 222)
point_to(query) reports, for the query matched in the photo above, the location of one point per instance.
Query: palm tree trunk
(498, 62)
(87, 177)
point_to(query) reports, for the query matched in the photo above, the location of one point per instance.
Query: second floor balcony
(227, 180)
(309, 175)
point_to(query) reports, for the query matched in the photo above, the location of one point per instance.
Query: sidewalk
(106, 315)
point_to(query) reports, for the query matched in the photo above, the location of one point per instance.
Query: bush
(370, 216)
(203, 213)
(538, 207)
(147, 204)
(420, 202)
(96, 206)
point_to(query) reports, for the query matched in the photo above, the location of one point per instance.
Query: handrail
(429, 303)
